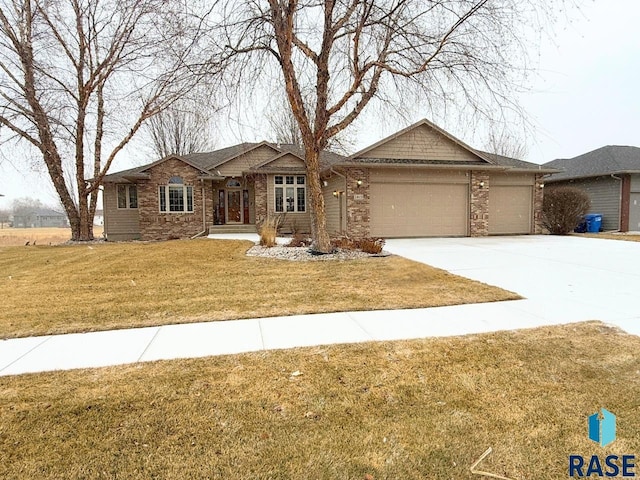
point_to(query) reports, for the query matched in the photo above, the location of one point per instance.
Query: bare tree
(285, 129)
(284, 125)
(506, 144)
(179, 130)
(79, 78)
(350, 52)
(5, 214)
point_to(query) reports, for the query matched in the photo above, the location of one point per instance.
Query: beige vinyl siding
(300, 221)
(634, 212)
(418, 203)
(235, 167)
(511, 204)
(421, 143)
(604, 193)
(634, 204)
(287, 161)
(119, 223)
(335, 225)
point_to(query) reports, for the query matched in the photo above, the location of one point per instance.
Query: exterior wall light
(541, 185)
(359, 183)
(335, 193)
(481, 184)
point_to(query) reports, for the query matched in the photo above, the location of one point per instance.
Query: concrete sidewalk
(564, 279)
(115, 347)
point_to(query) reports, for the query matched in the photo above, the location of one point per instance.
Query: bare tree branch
(78, 79)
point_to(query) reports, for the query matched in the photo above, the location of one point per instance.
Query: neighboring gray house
(41, 217)
(611, 177)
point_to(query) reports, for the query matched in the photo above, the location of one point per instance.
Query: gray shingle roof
(509, 162)
(607, 160)
(211, 160)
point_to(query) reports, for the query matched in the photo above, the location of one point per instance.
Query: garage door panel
(510, 209)
(416, 210)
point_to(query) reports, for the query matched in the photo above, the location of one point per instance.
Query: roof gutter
(593, 175)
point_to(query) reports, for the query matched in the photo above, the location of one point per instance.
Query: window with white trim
(290, 193)
(127, 196)
(176, 196)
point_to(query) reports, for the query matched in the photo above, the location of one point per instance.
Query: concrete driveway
(564, 279)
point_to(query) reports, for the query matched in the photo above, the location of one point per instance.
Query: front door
(234, 206)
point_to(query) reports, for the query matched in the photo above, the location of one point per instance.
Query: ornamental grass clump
(268, 230)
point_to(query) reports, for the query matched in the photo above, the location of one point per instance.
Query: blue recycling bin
(594, 222)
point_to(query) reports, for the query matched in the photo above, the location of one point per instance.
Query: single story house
(421, 181)
(611, 177)
(40, 217)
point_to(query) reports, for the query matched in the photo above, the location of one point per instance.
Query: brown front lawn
(39, 236)
(420, 409)
(611, 236)
(76, 288)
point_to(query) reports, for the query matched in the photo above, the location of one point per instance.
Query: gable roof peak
(431, 125)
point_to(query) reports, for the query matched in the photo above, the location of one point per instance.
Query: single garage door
(419, 205)
(510, 205)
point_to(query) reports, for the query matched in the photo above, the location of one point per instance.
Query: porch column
(261, 199)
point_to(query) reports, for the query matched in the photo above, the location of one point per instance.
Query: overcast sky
(584, 96)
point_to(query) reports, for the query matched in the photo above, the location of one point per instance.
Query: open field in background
(420, 409)
(42, 236)
(72, 288)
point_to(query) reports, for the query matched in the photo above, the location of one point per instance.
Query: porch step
(232, 229)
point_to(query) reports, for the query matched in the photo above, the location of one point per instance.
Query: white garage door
(419, 209)
(510, 209)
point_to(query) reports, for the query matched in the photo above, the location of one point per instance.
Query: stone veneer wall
(538, 196)
(358, 206)
(156, 225)
(260, 189)
(479, 205)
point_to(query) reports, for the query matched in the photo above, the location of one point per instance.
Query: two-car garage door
(413, 203)
(418, 204)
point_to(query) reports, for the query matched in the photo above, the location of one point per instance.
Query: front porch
(231, 228)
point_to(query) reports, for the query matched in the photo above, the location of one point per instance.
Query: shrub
(370, 245)
(366, 245)
(268, 230)
(563, 209)
(299, 240)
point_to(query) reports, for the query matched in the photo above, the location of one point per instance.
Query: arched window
(175, 196)
(233, 183)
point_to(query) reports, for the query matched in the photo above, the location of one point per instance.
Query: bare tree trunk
(319, 235)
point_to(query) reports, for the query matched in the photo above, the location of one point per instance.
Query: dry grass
(42, 236)
(104, 286)
(423, 409)
(611, 236)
